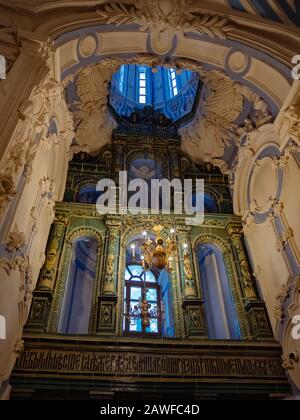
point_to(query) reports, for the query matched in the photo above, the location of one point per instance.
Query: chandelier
(158, 253)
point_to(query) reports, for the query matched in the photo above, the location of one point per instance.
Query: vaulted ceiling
(241, 49)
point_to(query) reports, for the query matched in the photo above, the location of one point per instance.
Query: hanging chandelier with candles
(159, 253)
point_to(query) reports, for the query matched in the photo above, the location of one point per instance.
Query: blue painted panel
(266, 11)
(294, 16)
(236, 4)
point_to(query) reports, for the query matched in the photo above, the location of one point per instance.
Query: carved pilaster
(53, 252)
(106, 318)
(43, 295)
(236, 236)
(255, 308)
(192, 305)
(186, 265)
(113, 239)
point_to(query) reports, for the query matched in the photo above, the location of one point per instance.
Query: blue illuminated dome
(166, 90)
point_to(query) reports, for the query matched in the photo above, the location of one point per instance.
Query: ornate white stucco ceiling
(240, 50)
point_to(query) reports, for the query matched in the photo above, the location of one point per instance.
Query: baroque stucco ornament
(92, 117)
(214, 128)
(212, 131)
(164, 19)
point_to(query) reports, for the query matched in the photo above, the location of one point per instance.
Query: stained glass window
(121, 78)
(142, 85)
(140, 289)
(167, 91)
(173, 78)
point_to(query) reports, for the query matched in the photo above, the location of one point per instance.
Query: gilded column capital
(234, 228)
(62, 218)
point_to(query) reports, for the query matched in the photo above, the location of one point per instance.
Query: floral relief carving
(165, 18)
(15, 240)
(6, 265)
(284, 238)
(214, 128)
(92, 117)
(281, 299)
(7, 192)
(292, 118)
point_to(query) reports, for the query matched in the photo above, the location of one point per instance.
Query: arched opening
(147, 296)
(168, 91)
(219, 306)
(77, 302)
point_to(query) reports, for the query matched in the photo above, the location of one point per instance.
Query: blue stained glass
(135, 293)
(151, 295)
(153, 308)
(135, 324)
(136, 270)
(121, 78)
(150, 277)
(135, 86)
(136, 310)
(127, 274)
(153, 327)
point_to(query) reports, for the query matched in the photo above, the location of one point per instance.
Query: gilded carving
(48, 273)
(109, 275)
(235, 233)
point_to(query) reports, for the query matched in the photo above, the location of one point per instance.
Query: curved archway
(77, 301)
(221, 315)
